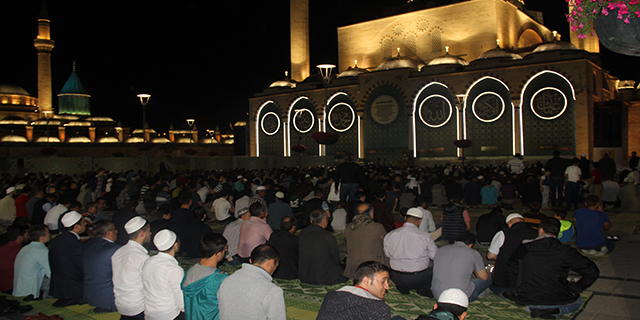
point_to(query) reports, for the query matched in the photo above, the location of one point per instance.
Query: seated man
(254, 231)
(32, 271)
(534, 216)
(17, 237)
(286, 242)
(363, 301)
(161, 277)
(249, 293)
(65, 258)
(201, 283)
(453, 266)
(544, 267)
(364, 240)
(197, 228)
(232, 234)
(590, 222)
(452, 304)
(455, 219)
(410, 250)
(98, 284)
(488, 225)
(319, 261)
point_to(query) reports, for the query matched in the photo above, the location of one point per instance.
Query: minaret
(44, 45)
(299, 20)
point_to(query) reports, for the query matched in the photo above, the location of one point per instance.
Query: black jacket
(287, 245)
(488, 225)
(544, 266)
(505, 274)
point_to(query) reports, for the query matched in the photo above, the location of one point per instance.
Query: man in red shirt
(17, 236)
(21, 201)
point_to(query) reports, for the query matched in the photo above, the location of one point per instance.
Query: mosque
(27, 119)
(407, 86)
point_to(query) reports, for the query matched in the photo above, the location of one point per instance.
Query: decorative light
(473, 106)
(435, 96)
(262, 123)
(353, 117)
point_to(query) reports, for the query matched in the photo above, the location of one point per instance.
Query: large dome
(352, 72)
(285, 82)
(448, 59)
(500, 53)
(7, 88)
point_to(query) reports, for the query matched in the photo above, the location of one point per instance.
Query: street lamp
(190, 122)
(144, 100)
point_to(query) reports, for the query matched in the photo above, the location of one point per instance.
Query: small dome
(65, 117)
(228, 141)
(160, 140)
(352, 72)
(79, 139)
(7, 88)
(399, 62)
(555, 45)
(209, 141)
(108, 140)
(448, 59)
(99, 119)
(135, 140)
(139, 131)
(499, 53)
(14, 120)
(51, 139)
(78, 124)
(43, 122)
(285, 82)
(185, 140)
(14, 138)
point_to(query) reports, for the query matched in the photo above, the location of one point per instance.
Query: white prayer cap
(11, 189)
(134, 224)
(239, 177)
(280, 195)
(514, 216)
(70, 218)
(454, 296)
(164, 239)
(415, 212)
(261, 188)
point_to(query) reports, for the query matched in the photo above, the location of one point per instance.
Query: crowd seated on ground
(104, 217)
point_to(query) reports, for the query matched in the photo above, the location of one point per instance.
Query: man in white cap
(410, 250)
(65, 258)
(161, 278)
(452, 304)
(278, 210)
(503, 245)
(253, 232)
(261, 193)
(232, 234)
(8, 207)
(127, 264)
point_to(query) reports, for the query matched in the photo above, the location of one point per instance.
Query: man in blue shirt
(590, 222)
(31, 268)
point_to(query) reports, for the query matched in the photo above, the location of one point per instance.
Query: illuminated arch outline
(258, 126)
(413, 116)
(436, 96)
(313, 120)
(353, 117)
(473, 106)
(262, 123)
(549, 88)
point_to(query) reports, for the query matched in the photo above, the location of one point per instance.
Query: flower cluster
(583, 12)
(327, 138)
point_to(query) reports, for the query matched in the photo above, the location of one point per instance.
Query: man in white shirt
(223, 208)
(127, 263)
(573, 175)
(427, 224)
(516, 165)
(232, 234)
(161, 278)
(410, 250)
(53, 215)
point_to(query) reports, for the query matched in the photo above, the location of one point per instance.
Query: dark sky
(198, 59)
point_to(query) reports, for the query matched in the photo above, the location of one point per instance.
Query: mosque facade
(406, 87)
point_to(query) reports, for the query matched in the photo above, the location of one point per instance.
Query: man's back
(180, 219)
(288, 247)
(277, 211)
(200, 286)
(505, 272)
(319, 257)
(98, 284)
(488, 225)
(409, 249)
(232, 234)
(589, 225)
(161, 278)
(126, 265)
(31, 265)
(65, 257)
(249, 294)
(353, 303)
(453, 266)
(253, 233)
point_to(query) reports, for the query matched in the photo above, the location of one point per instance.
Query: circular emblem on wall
(270, 123)
(384, 109)
(341, 117)
(435, 111)
(488, 106)
(548, 103)
(303, 120)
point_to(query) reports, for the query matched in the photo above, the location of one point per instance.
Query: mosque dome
(14, 120)
(399, 62)
(7, 88)
(185, 140)
(448, 59)
(209, 141)
(500, 53)
(285, 82)
(135, 140)
(14, 138)
(108, 139)
(79, 139)
(160, 140)
(554, 45)
(352, 72)
(50, 139)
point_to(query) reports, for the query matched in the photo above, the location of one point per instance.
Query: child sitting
(566, 227)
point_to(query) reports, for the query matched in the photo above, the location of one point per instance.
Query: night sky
(198, 59)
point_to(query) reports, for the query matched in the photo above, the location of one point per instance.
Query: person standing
(8, 207)
(161, 278)
(347, 179)
(126, 264)
(98, 273)
(573, 175)
(557, 167)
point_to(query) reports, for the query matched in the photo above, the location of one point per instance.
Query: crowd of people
(112, 239)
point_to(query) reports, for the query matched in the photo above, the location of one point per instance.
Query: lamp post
(144, 100)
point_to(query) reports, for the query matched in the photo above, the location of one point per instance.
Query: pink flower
(595, 11)
(574, 28)
(633, 2)
(626, 20)
(580, 9)
(619, 16)
(582, 36)
(605, 12)
(638, 13)
(580, 26)
(611, 6)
